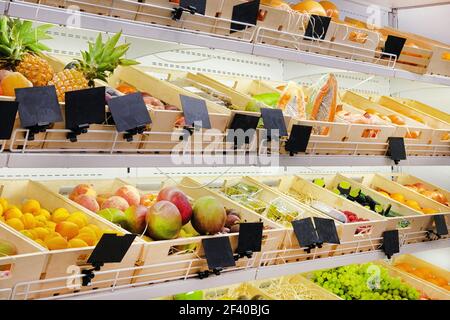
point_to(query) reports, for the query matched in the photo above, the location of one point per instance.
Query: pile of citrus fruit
(413, 204)
(424, 273)
(55, 230)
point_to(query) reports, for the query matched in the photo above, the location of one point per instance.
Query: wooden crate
(286, 288)
(440, 61)
(168, 260)
(424, 108)
(441, 128)
(60, 261)
(234, 292)
(416, 263)
(27, 265)
(407, 179)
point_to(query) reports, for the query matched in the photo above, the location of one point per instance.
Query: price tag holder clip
(129, 134)
(298, 139)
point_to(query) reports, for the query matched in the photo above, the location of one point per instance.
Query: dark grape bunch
(358, 282)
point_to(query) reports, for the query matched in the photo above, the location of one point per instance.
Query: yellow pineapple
(68, 80)
(35, 69)
(98, 62)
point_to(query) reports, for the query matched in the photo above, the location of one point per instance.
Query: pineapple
(21, 47)
(98, 62)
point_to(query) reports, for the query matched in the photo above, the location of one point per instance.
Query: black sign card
(317, 27)
(111, 249)
(396, 149)
(391, 243)
(38, 106)
(274, 120)
(247, 13)
(85, 107)
(394, 45)
(244, 122)
(129, 112)
(326, 230)
(305, 232)
(250, 237)
(8, 113)
(441, 225)
(195, 112)
(218, 252)
(299, 139)
(199, 5)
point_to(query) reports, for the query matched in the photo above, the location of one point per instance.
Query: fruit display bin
(441, 128)
(354, 237)
(27, 265)
(294, 287)
(62, 263)
(166, 135)
(419, 230)
(419, 138)
(184, 257)
(440, 61)
(423, 270)
(422, 107)
(410, 180)
(423, 288)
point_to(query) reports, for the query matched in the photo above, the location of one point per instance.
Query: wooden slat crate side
(440, 61)
(422, 107)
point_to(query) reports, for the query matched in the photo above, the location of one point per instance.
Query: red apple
(179, 199)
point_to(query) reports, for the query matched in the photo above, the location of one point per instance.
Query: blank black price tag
(199, 5)
(246, 13)
(396, 149)
(317, 27)
(441, 225)
(111, 248)
(8, 113)
(274, 120)
(391, 243)
(242, 129)
(326, 230)
(305, 232)
(299, 139)
(218, 252)
(250, 237)
(129, 112)
(195, 112)
(394, 45)
(38, 106)
(85, 107)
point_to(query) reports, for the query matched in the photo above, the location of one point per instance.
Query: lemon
(96, 229)
(29, 221)
(60, 215)
(16, 224)
(78, 220)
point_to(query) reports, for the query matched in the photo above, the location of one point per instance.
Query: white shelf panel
(80, 160)
(175, 287)
(130, 28)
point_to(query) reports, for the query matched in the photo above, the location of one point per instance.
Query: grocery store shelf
(107, 24)
(86, 160)
(170, 288)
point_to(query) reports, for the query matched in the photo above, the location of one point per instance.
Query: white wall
(433, 22)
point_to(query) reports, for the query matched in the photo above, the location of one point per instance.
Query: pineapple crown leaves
(102, 58)
(18, 37)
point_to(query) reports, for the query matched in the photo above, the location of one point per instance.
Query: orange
(126, 89)
(441, 281)
(427, 273)
(418, 273)
(60, 215)
(12, 81)
(67, 229)
(1, 210)
(31, 206)
(398, 197)
(45, 213)
(309, 7)
(371, 111)
(4, 204)
(16, 224)
(29, 222)
(433, 281)
(77, 243)
(405, 267)
(41, 233)
(429, 211)
(447, 287)
(56, 243)
(12, 213)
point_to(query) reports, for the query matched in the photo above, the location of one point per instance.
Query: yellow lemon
(31, 206)
(40, 221)
(29, 221)
(15, 223)
(96, 229)
(41, 243)
(79, 221)
(4, 204)
(45, 213)
(398, 197)
(41, 232)
(56, 243)
(12, 213)
(27, 233)
(77, 243)
(60, 215)
(50, 225)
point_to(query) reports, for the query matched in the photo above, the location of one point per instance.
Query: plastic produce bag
(292, 101)
(323, 101)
